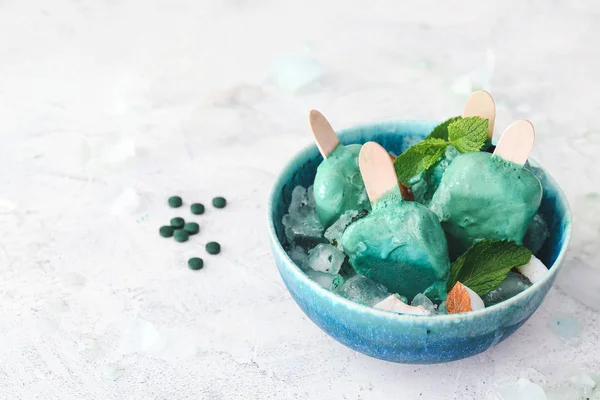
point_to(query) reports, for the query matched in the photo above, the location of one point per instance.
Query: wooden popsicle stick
(323, 133)
(377, 170)
(481, 104)
(516, 142)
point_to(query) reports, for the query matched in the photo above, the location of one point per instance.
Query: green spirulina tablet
(191, 227)
(175, 201)
(177, 222)
(181, 236)
(213, 248)
(195, 263)
(197, 208)
(166, 231)
(219, 202)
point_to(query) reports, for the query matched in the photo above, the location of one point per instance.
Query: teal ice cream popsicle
(338, 185)
(485, 196)
(480, 104)
(399, 244)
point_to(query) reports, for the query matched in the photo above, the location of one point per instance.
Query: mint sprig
(486, 264)
(441, 131)
(418, 158)
(466, 134)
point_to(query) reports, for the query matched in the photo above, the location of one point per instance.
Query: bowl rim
(299, 274)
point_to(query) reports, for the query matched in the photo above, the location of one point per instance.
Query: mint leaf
(418, 158)
(441, 131)
(468, 134)
(486, 264)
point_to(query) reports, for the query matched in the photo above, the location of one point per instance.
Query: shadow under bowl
(407, 338)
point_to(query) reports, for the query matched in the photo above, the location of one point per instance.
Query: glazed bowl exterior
(406, 338)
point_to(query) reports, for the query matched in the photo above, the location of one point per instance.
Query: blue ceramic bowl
(406, 338)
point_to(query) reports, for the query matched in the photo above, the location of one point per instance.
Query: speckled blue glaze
(405, 338)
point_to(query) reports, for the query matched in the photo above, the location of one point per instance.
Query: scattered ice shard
(397, 304)
(520, 389)
(362, 290)
(302, 226)
(514, 284)
(328, 281)
(118, 152)
(126, 203)
(565, 327)
(424, 302)
(325, 258)
(141, 336)
(334, 232)
(537, 233)
(478, 78)
(296, 72)
(578, 386)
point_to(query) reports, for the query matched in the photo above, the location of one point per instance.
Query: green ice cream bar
(338, 185)
(400, 244)
(482, 196)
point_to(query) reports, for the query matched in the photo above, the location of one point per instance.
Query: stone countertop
(108, 107)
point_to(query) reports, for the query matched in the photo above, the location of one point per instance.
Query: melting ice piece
(536, 234)
(395, 304)
(328, 281)
(302, 226)
(521, 389)
(334, 232)
(511, 286)
(362, 290)
(424, 302)
(534, 270)
(325, 258)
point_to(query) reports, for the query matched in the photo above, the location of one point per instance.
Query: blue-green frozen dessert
(482, 196)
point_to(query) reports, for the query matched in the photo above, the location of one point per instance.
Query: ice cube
(423, 301)
(443, 308)
(328, 281)
(514, 284)
(537, 233)
(334, 232)
(362, 290)
(302, 226)
(325, 258)
(397, 303)
(299, 256)
(521, 389)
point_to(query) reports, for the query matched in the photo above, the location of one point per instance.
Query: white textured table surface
(107, 107)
